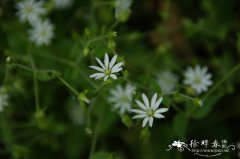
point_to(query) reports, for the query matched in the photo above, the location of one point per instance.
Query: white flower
(122, 6)
(3, 99)
(122, 98)
(167, 81)
(62, 4)
(42, 32)
(198, 78)
(30, 10)
(149, 110)
(108, 69)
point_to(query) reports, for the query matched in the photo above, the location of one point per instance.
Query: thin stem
(99, 88)
(24, 67)
(97, 39)
(94, 142)
(95, 136)
(71, 64)
(35, 82)
(177, 108)
(68, 85)
(113, 25)
(230, 73)
(5, 76)
(186, 97)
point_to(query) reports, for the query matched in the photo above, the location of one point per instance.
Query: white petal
(113, 76)
(113, 60)
(138, 111)
(97, 68)
(144, 123)
(116, 70)
(106, 60)
(204, 70)
(145, 100)
(117, 67)
(159, 101)
(100, 76)
(105, 78)
(96, 75)
(139, 116)
(150, 121)
(100, 63)
(141, 105)
(153, 101)
(161, 110)
(156, 115)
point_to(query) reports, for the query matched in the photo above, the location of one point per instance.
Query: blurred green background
(153, 35)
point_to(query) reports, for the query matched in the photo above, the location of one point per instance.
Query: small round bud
(88, 131)
(198, 102)
(114, 33)
(8, 59)
(85, 51)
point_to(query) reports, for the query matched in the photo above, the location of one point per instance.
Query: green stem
(5, 76)
(228, 75)
(23, 67)
(71, 64)
(68, 85)
(94, 142)
(35, 82)
(186, 97)
(179, 110)
(97, 39)
(113, 25)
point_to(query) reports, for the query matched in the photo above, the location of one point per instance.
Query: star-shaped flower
(107, 69)
(122, 98)
(30, 10)
(167, 81)
(149, 110)
(198, 78)
(42, 32)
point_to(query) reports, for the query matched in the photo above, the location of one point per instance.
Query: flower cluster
(121, 98)
(42, 31)
(197, 78)
(31, 11)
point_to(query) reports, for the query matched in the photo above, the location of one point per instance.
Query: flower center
(43, 33)
(124, 99)
(107, 72)
(197, 80)
(150, 113)
(28, 9)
